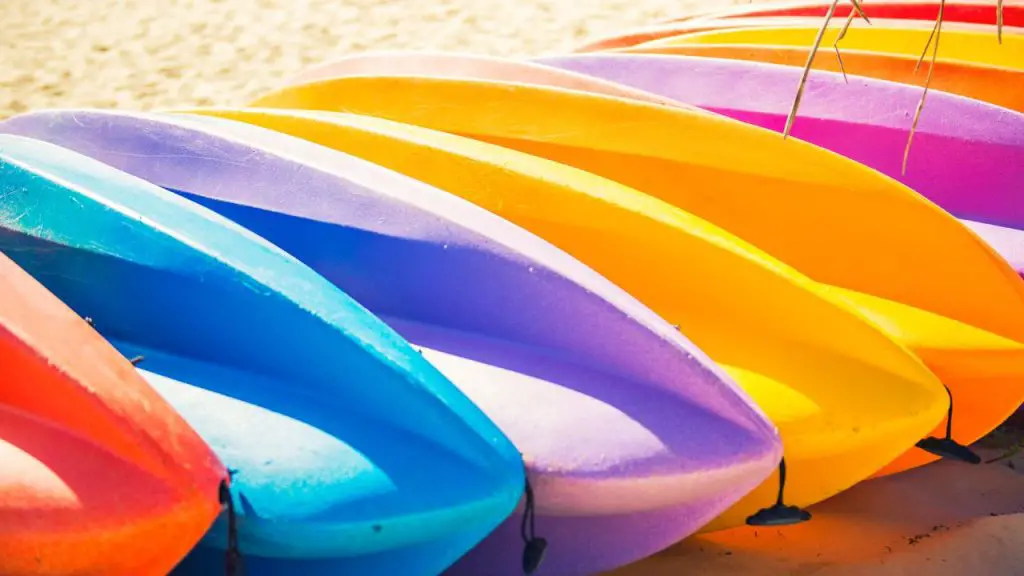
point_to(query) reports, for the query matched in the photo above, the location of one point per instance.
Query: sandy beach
(941, 520)
(159, 53)
(944, 519)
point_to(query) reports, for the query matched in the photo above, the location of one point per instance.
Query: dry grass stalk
(999, 21)
(858, 6)
(936, 34)
(858, 9)
(807, 69)
(840, 36)
(933, 43)
(931, 37)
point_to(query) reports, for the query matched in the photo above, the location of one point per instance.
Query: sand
(946, 519)
(161, 53)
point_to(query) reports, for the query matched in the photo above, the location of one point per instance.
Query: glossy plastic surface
(100, 475)
(346, 442)
(633, 439)
(635, 36)
(773, 341)
(871, 235)
(1000, 86)
(973, 11)
(866, 120)
(978, 47)
(456, 64)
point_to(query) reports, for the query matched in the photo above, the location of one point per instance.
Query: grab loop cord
(233, 557)
(779, 514)
(782, 483)
(947, 447)
(134, 361)
(533, 552)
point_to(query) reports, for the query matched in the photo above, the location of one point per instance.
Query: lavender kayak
(1008, 242)
(967, 155)
(633, 439)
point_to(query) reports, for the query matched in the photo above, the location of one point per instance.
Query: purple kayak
(967, 155)
(633, 438)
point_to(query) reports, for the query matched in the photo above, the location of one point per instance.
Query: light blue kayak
(352, 454)
(632, 438)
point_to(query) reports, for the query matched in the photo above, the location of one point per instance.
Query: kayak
(989, 147)
(863, 119)
(1000, 86)
(75, 420)
(651, 33)
(474, 65)
(960, 45)
(401, 477)
(879, 245)
(642, 439)
(1008, 242)
(973, 11)
(817, 390)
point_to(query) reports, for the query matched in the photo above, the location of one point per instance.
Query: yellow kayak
(955, 44)
(833, 219)
(846, 398)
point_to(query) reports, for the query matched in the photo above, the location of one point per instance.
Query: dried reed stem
(840, 36)
(807, 69)
(858, 6)
(936, 33)
(999, 21)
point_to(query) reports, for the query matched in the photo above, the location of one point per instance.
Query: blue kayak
(352, 454)
(632, 438)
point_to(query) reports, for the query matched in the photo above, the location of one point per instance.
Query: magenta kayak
(967, 155)
(632, 438)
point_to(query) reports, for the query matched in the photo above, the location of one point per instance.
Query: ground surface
(944, 519)
(157, 53)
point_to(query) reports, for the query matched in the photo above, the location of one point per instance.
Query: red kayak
(99, 474)
(969, 11)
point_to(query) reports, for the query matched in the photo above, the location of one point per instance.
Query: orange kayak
(886, 250)
(100, 475)
(993, 84)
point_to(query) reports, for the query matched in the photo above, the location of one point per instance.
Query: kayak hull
(625, 427)
(527, 189)
(959, 45)
(874, 236)
(585, 543)
(646, 34)
(1008, 242)
(145, 529)
(971, 11)
(366, 479)
(75, 420)
(458, 64)
(866, 120)
(995, 85)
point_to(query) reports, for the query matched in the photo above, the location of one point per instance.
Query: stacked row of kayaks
(415, 313)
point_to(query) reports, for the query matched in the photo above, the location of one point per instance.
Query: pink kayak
(967, 156)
